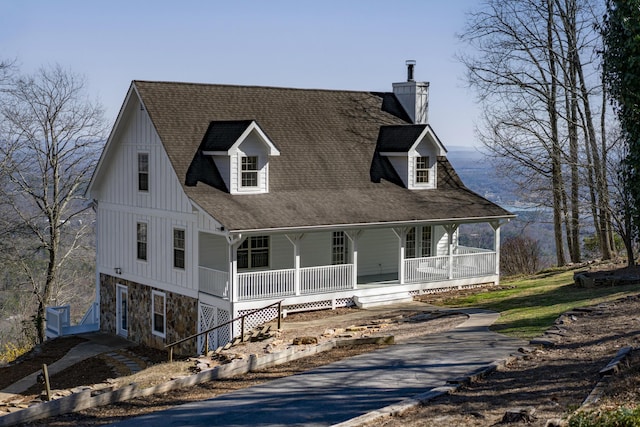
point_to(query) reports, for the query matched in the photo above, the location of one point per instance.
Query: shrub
(11, 352)
(519, 255)
(621, 417)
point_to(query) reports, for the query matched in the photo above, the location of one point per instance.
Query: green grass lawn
(529, 306)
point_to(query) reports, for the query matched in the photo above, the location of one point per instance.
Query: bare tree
(51, 136)
(520, 255)
(535, 86)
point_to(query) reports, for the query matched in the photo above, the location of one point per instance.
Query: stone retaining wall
(181, 313)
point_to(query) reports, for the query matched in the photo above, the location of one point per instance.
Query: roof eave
(387, 224)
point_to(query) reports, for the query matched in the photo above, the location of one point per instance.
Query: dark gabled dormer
(233, 156)
(407, 155)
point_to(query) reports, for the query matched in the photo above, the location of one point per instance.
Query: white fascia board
(114, 130)
(390, 224)
(428, 130)
(273, 151)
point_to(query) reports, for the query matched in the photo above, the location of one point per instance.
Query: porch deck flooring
(377, 280)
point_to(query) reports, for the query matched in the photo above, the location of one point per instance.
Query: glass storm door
(122, 315)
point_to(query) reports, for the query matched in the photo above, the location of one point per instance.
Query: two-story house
(213, 200)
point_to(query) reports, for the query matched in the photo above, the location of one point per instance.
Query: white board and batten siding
(251, 146)
(164, 207)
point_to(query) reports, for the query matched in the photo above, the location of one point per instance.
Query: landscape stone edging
(84, 399)
(605, 374)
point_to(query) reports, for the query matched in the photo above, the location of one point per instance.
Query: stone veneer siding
(181, 313)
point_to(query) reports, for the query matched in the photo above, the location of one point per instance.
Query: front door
(122, 315)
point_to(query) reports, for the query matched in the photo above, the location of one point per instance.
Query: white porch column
(295, 241)
(234, 244)
(353, 237)
(496, 243)
(402, 236)
(450, 230)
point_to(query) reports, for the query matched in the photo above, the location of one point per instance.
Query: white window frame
(177, 249)
(426, 170)
(426, 245)
(155, 332)
(339, 248)
(250, 248)
(143, 172)
(255, 172)
(415, 242)
(411, 243)
(146, 241)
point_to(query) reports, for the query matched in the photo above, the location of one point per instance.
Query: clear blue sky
(328, 44)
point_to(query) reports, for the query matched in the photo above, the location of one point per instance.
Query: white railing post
(401, 233)
(450, 230)
(353, 237)
(296, 277)
(295, 241)
(496, 243)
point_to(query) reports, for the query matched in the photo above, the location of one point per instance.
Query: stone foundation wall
(181, 313)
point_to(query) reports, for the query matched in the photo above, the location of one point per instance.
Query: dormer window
(249, 174)
(422, 170)
(406, 155)
(239, 155)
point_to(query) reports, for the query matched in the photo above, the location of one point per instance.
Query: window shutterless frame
(179, 248)
(143, 172)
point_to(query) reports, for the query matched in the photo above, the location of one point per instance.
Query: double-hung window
(178, 248)
(141, 241)
(254, 252)
(249, 172)
(143, 171)
(158, 311)
(410, 244)
(425, 244)
(339, 248)
(422, 170)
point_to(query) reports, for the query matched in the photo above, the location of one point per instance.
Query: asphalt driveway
(349, 388)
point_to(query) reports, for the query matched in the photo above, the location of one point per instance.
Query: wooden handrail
(241, 318)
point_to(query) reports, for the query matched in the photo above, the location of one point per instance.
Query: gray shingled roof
(326, 170)
(221, 135)
(398, 139)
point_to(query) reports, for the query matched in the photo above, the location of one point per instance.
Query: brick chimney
(413, 96)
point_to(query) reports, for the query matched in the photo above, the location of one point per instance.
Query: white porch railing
(58, 320)
(92, 316)
(326, 278)
(469, 264)
(431, 269)
(252, 285)
(266, 284)
(465, 250)
(214, 282)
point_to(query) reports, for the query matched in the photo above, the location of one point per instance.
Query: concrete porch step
(383, 299)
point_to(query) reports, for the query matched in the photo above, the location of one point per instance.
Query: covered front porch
(338, 263)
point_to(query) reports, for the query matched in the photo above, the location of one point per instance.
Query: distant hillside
(479, 175)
